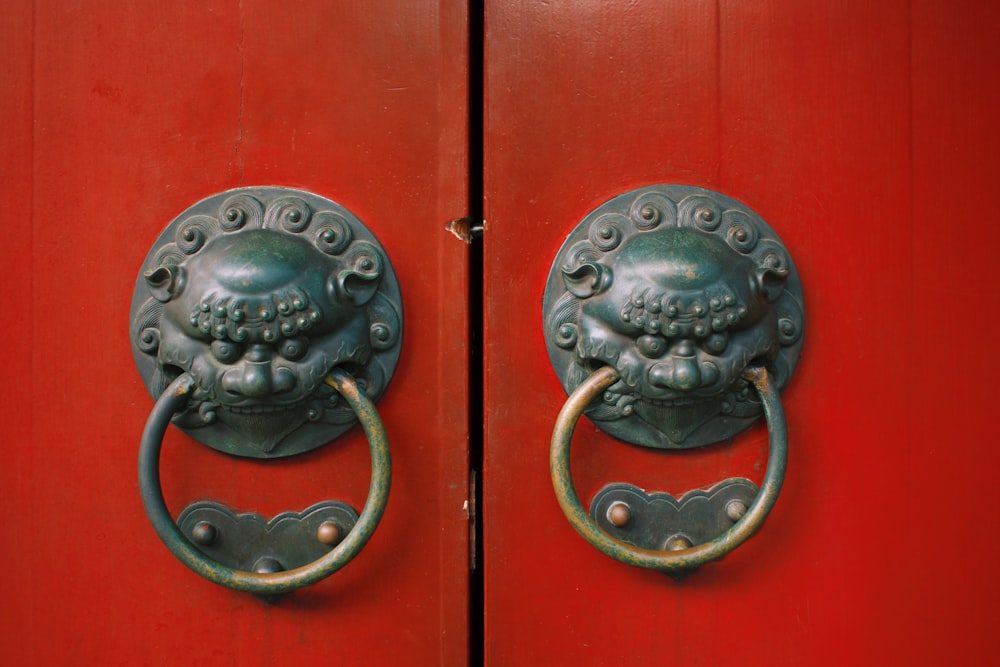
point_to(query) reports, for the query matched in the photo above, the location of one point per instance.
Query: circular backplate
(679, 289)
(258, 293)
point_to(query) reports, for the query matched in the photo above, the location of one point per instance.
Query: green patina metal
(252, 542)
(679, 289)
(257, 293)
(174, 399)
(673, 318)
(683, 559)
(662, 521)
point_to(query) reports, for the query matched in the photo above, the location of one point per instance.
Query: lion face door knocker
(266, 322)
(673, 316)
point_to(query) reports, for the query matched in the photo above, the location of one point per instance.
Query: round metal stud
(204, 533)
(677, 543)
(619, 514)
(328, 533)
(735, 509)
(268, 566)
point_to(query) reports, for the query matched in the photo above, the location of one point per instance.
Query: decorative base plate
(250, 542)
(659, 521)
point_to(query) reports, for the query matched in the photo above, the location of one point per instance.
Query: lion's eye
(716, 343)
(652, 347)
(225, 351)
(294, 349)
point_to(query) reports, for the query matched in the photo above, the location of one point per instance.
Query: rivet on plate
(268, 565)
(677, 543)
(735, 509)
(619, 513)
(328, 533)
(204, 533)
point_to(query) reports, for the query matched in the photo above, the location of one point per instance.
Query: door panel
(862, 133)
(120, 117)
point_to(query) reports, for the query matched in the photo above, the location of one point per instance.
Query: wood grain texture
(864, 134)
(130, 113)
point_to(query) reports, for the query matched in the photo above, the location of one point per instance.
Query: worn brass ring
(171, 401)
(684, 559)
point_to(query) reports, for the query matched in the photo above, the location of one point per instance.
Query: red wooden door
(865, 134)
(862, 132)
(116, 118)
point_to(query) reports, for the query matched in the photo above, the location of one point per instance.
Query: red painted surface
(117, 117)
(865, 134)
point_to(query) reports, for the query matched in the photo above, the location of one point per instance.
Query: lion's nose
(255, 377)
(251, 379)
(679, 373)
(681, 370)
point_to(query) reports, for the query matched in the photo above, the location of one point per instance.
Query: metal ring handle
(684, 559)
(171, 401)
